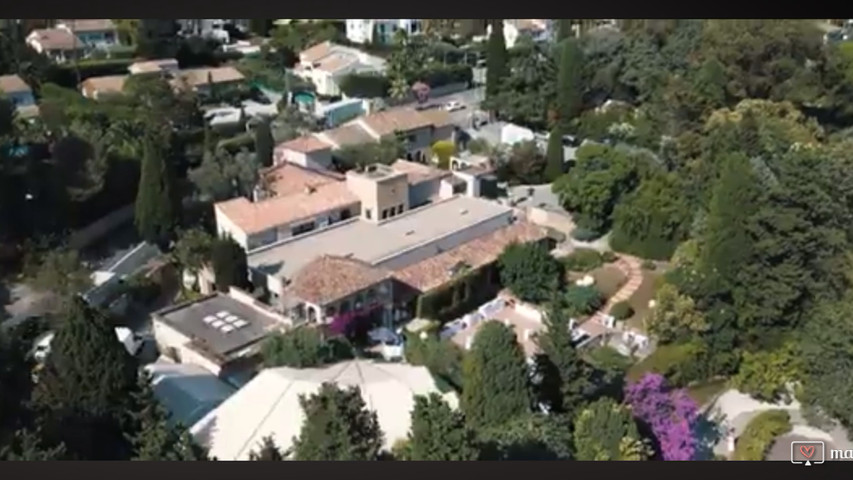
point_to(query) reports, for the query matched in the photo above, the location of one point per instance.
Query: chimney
(309, 189)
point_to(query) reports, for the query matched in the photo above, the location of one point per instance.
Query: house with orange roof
(416, 130)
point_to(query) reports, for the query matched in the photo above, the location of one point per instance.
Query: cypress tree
(268, 452)
(554, 154)
(83, 391)
(727, 243)
(439, 433)
(494, 377)
(569, 82)
(496, 59)
(337, 426)
(230, 266)
(564, 29)
(264, 143)
(155, 206)
(562, 371)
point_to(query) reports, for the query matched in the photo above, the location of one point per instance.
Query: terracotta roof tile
(56, 39)
(418, 172)
(402, 120)
(346, 135)
(289, 179)
(435, 271)
(329, 278)
(200, 76)
(13, 84)
(316, 52)
(280, 210)
(108, 84)
(304, 144)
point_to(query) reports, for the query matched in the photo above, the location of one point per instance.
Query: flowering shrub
(671, 415)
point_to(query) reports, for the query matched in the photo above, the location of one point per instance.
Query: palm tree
(399, 88)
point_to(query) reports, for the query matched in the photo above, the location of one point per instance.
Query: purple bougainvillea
(671, 414)
(342, 324)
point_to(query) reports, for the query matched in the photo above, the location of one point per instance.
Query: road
(470, 98)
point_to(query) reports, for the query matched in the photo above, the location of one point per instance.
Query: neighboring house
(215, 28)
(418, 131)
(326, 64)
(538, 30)
(164, 65)
(474, 171)
(220, 333)
(380, 31)
(96, 88)
(269, 405)
(57, 43)
(187, 392)
(20, 94)
(337, 113)
(201, 80)
(94, 33)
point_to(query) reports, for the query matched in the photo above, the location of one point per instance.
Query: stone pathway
(630, 266)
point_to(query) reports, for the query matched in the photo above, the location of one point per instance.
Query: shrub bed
(760, 433)
(583, 260)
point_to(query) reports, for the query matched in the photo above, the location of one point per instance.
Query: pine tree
(155, 206)
(569, 82)
(494, 377)
(230, 266)
(153, 437)
(554, 155)
(727, 243)
(496, 59)
(439, 433)
(563, 373)
(28, 446)
(268, 451)
(264, 143)
(337, 426)
(82, 394)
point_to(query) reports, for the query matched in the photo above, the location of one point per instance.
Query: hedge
(66, 74)
(438, 77)
(460, 296)
(583, 260)
(759, 435)
(584, 235)
(365, 85)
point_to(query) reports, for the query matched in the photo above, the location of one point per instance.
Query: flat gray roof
(196, 320)
(370, 242)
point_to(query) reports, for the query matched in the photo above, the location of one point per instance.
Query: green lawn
(640, 299)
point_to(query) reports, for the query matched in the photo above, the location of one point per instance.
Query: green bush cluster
(583, 260)
(441, 357)
(758, 437)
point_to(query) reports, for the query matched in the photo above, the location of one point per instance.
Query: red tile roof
(329, 278)
(435, 271)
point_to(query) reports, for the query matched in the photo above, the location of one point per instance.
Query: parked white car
(453, 106)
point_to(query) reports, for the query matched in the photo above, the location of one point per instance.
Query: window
(345, 306)
(367, 213)
(399, 209)
(384, 214)
(460, 187)
(305, 227)
(330, 311)
(345, 214)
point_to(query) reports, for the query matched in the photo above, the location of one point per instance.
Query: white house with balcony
(380, 31)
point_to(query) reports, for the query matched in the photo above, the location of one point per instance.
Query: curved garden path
(631, 267)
